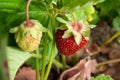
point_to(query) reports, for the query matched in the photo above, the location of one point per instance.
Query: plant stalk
(74, 19)
(50, 62)
(43, 62)
(110, 40)
(37, 66)
(55, 62)
(27, 13)
(108, 62)
(64, 61)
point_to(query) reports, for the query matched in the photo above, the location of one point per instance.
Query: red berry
(68, 46)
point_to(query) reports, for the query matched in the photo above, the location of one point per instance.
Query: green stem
(27, 12)
(43, 62)
(110, 40)
(74, 19)
(59, 65)
(37, 66)
(63, 61)
(36, 56)
(108, 62)
(50, 62)
(55, 62)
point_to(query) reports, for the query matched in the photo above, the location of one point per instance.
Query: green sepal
(85, 31)
(63, 27)
(13, 30)
(77, 37)
(92, 26)
(34, 33)
(67, 34)
(39, 26)
(70, 32)
(17, 37)
(62, 20)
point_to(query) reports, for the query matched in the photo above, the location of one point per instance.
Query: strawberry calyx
(25, 30)
(29, 23)
(78, 30)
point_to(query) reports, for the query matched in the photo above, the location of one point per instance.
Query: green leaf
(16, 58)
(95, 18)
(116, 23)
(79, 15)
(97, 1)
(86, 10)
(102, 77)
(62, 20)
(71, 3)
(107, 6)
(89, 9)
(9, 4)
(118, 41)
(54, 2)
(48, 1)
(3, 27)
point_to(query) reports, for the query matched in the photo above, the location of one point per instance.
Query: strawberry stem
(64, 62)
(28, 23)
(108, 62)
(37, 66)
(50, 62)
(110, 40)
(74, 19)
(44, 58)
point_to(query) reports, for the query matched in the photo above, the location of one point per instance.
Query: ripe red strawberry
(68, 46)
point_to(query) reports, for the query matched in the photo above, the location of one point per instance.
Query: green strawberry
(28, 37)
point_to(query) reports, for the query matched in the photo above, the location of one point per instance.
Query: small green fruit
(28, 37)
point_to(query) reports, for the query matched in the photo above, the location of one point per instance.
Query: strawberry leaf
(98, 1)
(102, 77)
(116, 23)
(13, 55)
(87, 10)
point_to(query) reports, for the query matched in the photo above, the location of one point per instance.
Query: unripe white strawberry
(28, 37)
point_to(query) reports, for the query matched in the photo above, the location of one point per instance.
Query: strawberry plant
(37, 33)
(102, 77)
